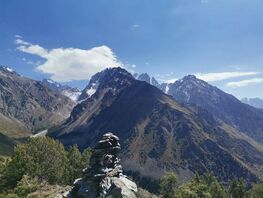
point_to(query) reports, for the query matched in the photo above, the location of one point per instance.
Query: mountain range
(72, 93)
(223, 106)
(195, 127)
(27, 106)
(151, 80)
(187, 126)
(254, 102)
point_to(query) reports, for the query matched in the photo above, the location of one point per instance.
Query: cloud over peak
(67, 64)
(212, 77)
(244, 83)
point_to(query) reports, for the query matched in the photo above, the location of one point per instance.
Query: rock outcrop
(105, 179)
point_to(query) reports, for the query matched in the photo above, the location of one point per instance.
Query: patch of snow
(9, 69)
(40, 134)
(167, 88)
(93, 88)
(80, 101)
(72, 95)
(54, 83)
(51, 81)
(91, 91)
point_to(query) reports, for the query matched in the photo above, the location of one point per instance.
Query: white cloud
(67, 64)
(31, 62)
(135, 27)
(19, 41)
(244, 83)
(166, 78)
(130, 68)
(211, 77)
(171, 80)
(18, 36)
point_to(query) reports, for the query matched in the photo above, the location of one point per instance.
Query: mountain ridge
(72, 93)
(254, 102)
(193, 91)
(157, 132)
(30, 105)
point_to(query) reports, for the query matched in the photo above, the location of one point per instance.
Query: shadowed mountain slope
(192, 91)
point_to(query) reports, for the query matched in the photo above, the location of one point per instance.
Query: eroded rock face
(105, 179)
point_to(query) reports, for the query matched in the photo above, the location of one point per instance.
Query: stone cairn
(104, 178)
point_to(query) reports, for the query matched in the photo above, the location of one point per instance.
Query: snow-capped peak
(167, 88)
(7, 69)
(51, 81)
(72, 93)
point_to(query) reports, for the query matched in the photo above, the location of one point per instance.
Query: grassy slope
(11, 132)
(12, 128)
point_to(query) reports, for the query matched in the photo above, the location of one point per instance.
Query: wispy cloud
(166, 78)
(30, 62)
(67, 64)
(171, 80)
(18, 36)
(135, 26)
(211, 77)
(244, 83)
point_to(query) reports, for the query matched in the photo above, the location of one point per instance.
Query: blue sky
(67, 40)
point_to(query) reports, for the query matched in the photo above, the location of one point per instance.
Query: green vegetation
(256, 191)
(6, 145)
(237, 189)
(43, 160)
(40, 160)
(207, 186)
(168, 185)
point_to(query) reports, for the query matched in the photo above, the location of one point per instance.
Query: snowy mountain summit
(72, 93)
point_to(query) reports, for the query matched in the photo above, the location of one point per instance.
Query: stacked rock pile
(104, 160)
(105, 177)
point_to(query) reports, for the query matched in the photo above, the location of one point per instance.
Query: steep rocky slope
(158, 133)
(226, 107)
(28, 104)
